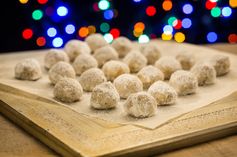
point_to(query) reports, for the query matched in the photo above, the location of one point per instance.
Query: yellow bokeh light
(233, 3)
(166, 36)
(23, 1)
(179, 37)
(137, 34)
(91, 29)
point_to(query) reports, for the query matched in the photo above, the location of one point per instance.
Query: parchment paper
(224, 86)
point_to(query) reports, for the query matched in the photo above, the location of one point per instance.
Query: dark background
(15, 17)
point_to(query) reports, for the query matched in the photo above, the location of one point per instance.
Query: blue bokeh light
(70, 29)
(186, 23)
(51, 32)
(211, 37)
(168, 29)
(108, 14)
(226, 11)
(57, 42)
(187, 8)
(62, 11)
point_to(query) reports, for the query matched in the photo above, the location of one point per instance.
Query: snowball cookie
(84, 62)
(140, 105)
(205, 73)
(104, 96)
(149, 74)
(53, 56)
(186, 59)
(112, 69)
(135, 61)
(221, 64)
(28, 69)
(68, 90)
(168, 65)
(75, 47)
(104, 54)
(122, 45)
(127, 84)
(151, 52)
(184, 82)
(90, 78)
(96, 41)
(163, 93)
(61, 70)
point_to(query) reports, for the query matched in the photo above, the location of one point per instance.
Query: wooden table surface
(15, 142)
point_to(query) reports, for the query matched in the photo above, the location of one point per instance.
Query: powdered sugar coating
(68, 90)
(95, 41)
(184, 82)
(28, 69)
(135, 61)
(151, 52)
(104, 96)
(205, 73)
(105, 54)
(140, 105)
(90, 78)
(73, 48)
(168, 65)
(112, 69)
(221, 64)
(127, 84)
(163, 93)
(84, 62)
(149, 74)
(186, 59)
(61, 70)
(122, 45)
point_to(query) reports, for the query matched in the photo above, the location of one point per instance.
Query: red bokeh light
(115, 32)
(150, 10)
(40, 41)
(27, 33)
(209, 4)
(232, 38)
(177, 24)
(42, 1)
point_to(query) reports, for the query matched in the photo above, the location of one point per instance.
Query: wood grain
(220, 119)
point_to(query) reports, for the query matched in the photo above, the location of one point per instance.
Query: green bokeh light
(37, 14)
(171, 20)
(216, 12)
(104, 27)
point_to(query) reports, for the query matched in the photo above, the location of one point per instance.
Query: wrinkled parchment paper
(224, 86)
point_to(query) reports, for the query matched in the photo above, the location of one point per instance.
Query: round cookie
(104, 96)
(61, 70)
(95, 41)
(73, 48)
(28, 69)
(135, 61)
(186, 59)
(140, 105)
(168, 65)
(221, 64)
(122, 45)
(53, 56)
(104, 54)
(205, 73)
(127, 84)
(163, 93)
(90, 78)
(68, 90)
(151, 52)
(149, 74)
(84, 62)
(184, 82)
(112, 69)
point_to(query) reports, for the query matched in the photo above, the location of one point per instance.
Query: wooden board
(72, 134)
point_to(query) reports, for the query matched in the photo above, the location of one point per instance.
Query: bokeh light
(165, 36)
(209, 4)
(150, 10)
(103, 4)
(108, 37)
(216, 12)
(115, 32)
(226, 11)
(23, 1)
(167, 5)
(108, 14)
(41, 41)
(51, 32)
(233, 3)
(143, 39)
(211, 37)
(70, 29)
(187, 8)
(232, 38)
(179, 37)
(42, 1)
(177, 24)
(62, 11)
(27, 33)
(104, 27)
(171, 20)
(186, 23)
(91, 29)
(57, 42)
(37, 14)
(168, 29)
(83, 32)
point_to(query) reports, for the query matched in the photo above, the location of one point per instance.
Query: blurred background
(40, 24)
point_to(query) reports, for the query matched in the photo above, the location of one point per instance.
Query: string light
(91, 29)
(211, 37)
(115, 32)
(23, 1)
(233, 3)
(41, 41)
(108, 14)
(104, 27)
(70, 29)
(42, 1)
(108, 37)
(186, 23)
(179, 37)
(62, 11)
(168, 29)
(51, 32)
(83, 32)
(27, 33)
(143, 39)
(171, 20)
(103, 4)
(216, 12)
(226, 11)
(150, 10)
(187, 8)
(232, 38)
(37, 14)
(167, 5)
(57, 42)
(165, 36)
(209, 4)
